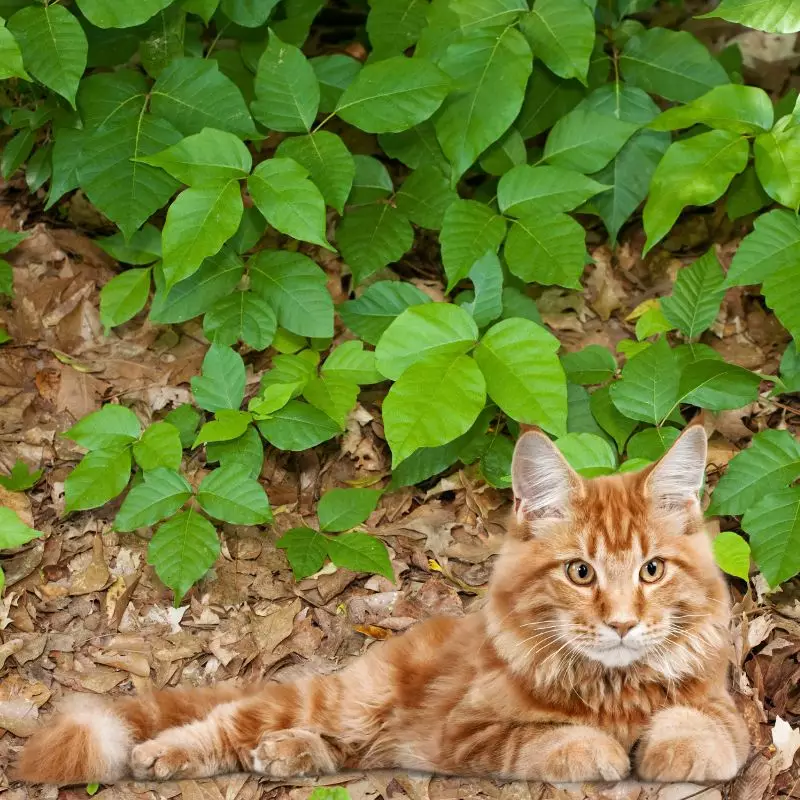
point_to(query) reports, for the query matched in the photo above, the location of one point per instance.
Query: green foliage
(210, 142)
(13, 533)
(21, 478)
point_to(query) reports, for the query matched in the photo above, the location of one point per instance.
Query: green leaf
(371, 237)
(334, 74)
(651, 443)
(298, 426)
(648, 387)
(295, 287)
(487, 13)
(111, 428)
(415, 147)
(100, 477)
(487, 278)
(217, 277)
(547, 99)
(371, 181)
(16, 152)
(291, 369)
(4, 337)
(771, 463)
(612, 421)
(506, 153)
(231, 495)
(287, 91)
(717, 385)
(10, 239)
(523, 374)
(53, 47)
(185, 418)
(496, 462)
(772, 246)
(6, 278)
(344, 509)
(585, 141)
(469, 230)
(371, 314)
(790, 368)
(561, 33)
(526, 191)
(183, 549)
(165, 41)
(393, 95)
(652, 321)
(746, 195)
(10, 56)
(777, 161)
(222, 382)
(433, 402)
(588, 454)
(288, 200)
(246, 450)
(696, 297)
(241, 316)
(13, 531)
(629, 176)
(360, 552)
(489, 71)
(593, 364)
(333, 395)
(730, 107)
(127, 192)
(774, 527)
(773, 16)
(693, 171)
(547, 249)
(732, 554)
(124, 296)
(160, 495)
(248, 13)
(422, 332)
(113, 14)
(143, 247)
(394, 25)
(328, 161)
(208, 158)
(20, 478)
(350, 361)
(672, 64)
(305, 550)
(275, 396)
(199, 222)
(193, 94)
(202, 8)
(425, 196)
(160, 446)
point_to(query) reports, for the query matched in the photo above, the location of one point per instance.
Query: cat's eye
(580, 572)
(652, 571)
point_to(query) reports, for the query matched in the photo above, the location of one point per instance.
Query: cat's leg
(690, 744)
(296, 753)
(552, 753)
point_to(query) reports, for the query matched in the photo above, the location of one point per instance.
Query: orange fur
(539, 684)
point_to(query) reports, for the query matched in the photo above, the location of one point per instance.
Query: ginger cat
(601, 650)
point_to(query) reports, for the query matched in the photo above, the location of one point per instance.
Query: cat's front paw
(686, 745)
(159, 760)
(293, 753)
(585, 754)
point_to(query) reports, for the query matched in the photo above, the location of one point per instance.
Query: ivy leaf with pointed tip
(287, 90)
(334, 395)
(241, 316)
(425, 196)
(159, 446)
(610, 419)
(221, 384)
(185, 418)
(160, 495)
(10, 57)
(226, 425)
(360, 552)
(486, 303)
(111, 428)
(231, 495)
(298, 426)
(526, 191)
(395, 25)
(352, 362)
(732, 554)
(718, 386)
(777, 162)
(141, 248)
(100, 477)
(344, 509)
(763, 15)
(289, 201)
(305, 550)
(20, 478)
(111, 14)
(13, 531)
(696, 296)
(694, 171)
(183, 549)
(247, 450)
(592, 364)
(334, 73)
(651, 443)
(123, 297)
(588, 454)
(773, 524)
(371, 181)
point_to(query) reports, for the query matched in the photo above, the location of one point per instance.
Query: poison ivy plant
(231, 158)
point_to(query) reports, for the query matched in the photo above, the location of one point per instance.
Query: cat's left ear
(674, 483)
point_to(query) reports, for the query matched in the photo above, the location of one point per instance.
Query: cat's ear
(542, 479)
(676, 480)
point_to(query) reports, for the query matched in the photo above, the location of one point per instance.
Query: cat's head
(614, 571)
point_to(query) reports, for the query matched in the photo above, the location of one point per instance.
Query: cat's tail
(91, 739)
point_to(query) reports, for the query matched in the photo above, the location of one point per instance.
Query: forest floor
(83, 612)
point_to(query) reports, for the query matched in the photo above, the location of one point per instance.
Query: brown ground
(83, 612)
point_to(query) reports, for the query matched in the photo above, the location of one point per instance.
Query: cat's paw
(161, 760)
(585, 754)
(293, 753)
(687, 746)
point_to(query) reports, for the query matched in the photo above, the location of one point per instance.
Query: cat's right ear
(542, 479)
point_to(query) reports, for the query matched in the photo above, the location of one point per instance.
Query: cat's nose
(622, 626)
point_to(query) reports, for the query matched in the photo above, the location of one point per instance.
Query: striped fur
(524, 688)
